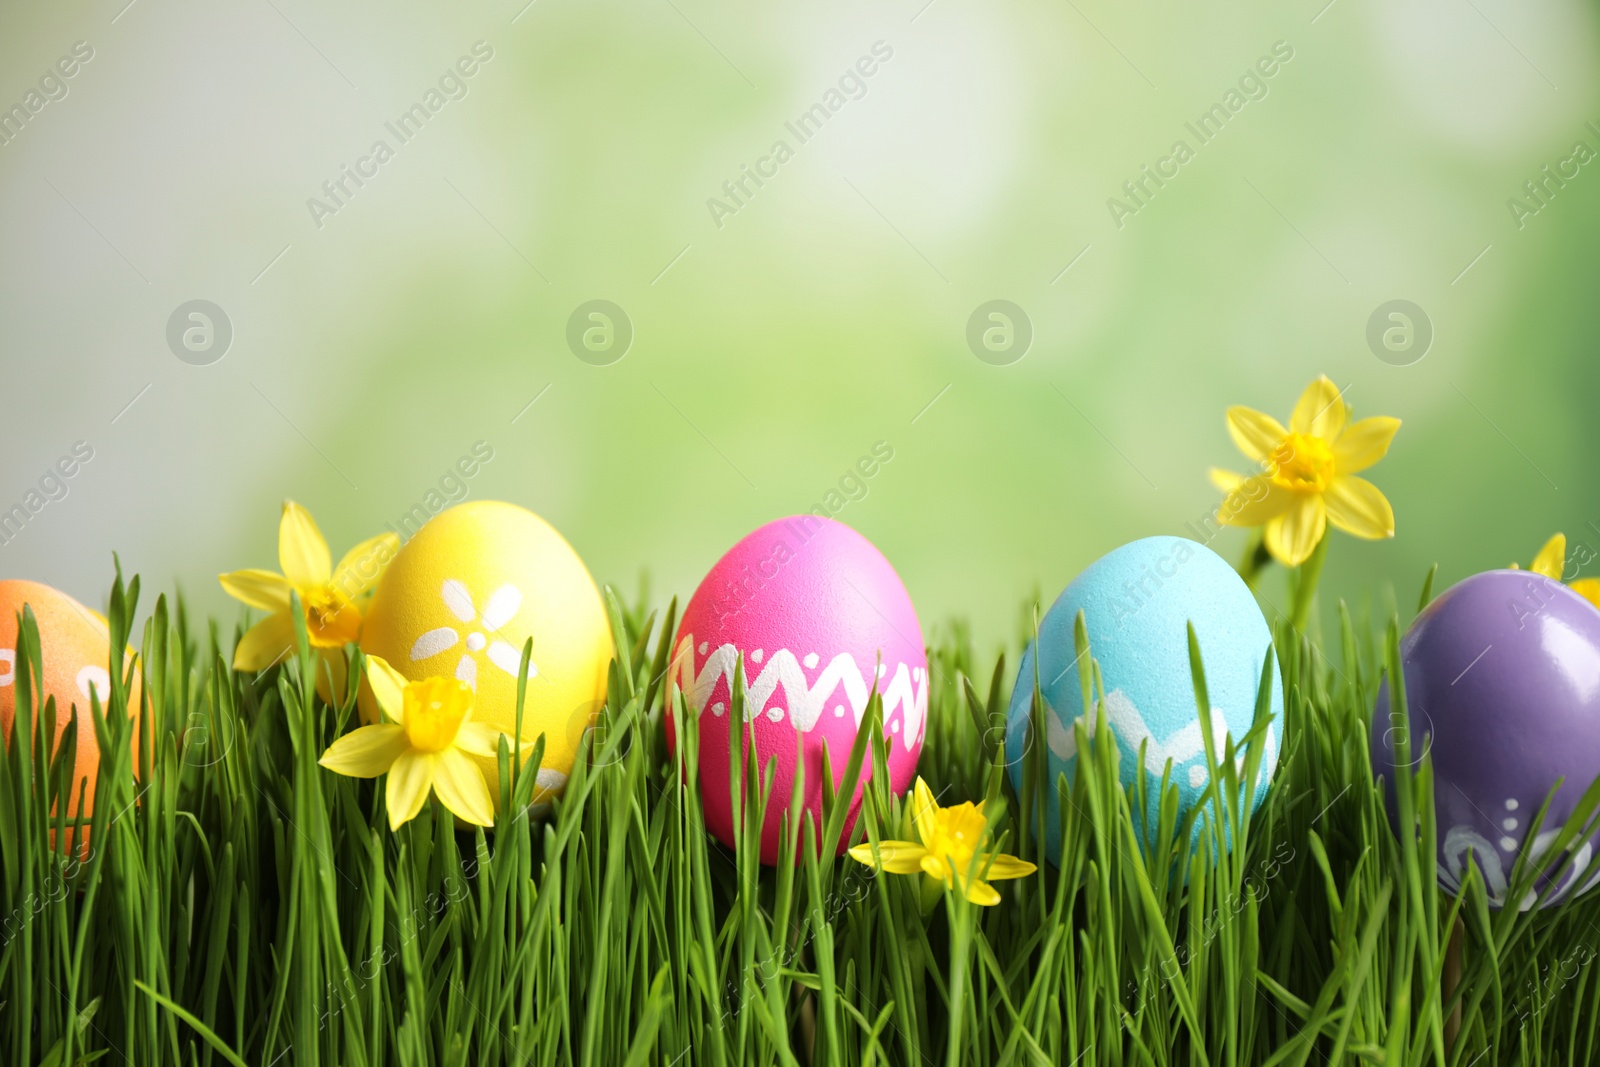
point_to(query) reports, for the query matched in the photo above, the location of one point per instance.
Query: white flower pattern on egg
(501, 607)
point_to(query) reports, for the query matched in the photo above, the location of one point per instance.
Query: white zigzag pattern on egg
(1122, 715)
(806, 702)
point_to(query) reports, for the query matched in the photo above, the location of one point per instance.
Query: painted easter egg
(821, 619)
(462, 597)
(1502, 676)
(1138, 602)
(75, 647)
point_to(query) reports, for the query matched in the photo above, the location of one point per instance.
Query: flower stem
(1308, 575)
(929, 894)
(961, 918)
(1255, 558)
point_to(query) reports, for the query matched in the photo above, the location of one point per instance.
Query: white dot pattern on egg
(94, 681)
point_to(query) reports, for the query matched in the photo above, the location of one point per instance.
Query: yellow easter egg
(462, 597)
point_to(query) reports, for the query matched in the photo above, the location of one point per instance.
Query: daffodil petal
(1552, 558)
(265, 643)
(1588, 588)
(476, 739)
(1003, 866)
(462, 787)
(1363, 443)
(1227, 481)
(1357, 507)
(257, 588)
(1292, 536)
(361, 567)
(1257, 434)
(862, 853)
(410, 778)
(388, 687)
(1255, 501)
(923, 809)
(302, 550)
(899, 857)
(366, 752)
(934, 867)
(982, 893)
(1320, 411)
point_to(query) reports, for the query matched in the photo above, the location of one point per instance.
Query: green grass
(239, 904)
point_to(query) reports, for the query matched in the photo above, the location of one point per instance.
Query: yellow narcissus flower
(1552, 561)
(954, 841)
(1307, 474)
(332, 597)
(422, 745)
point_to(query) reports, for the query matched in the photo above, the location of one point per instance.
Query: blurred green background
(774, 345)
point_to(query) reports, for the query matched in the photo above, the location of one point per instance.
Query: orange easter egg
(74, 650)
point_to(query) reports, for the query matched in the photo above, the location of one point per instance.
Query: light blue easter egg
(1138, 602)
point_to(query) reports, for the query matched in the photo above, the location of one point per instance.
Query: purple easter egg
(1503, 691)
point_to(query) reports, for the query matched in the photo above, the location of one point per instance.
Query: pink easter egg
(816, 611)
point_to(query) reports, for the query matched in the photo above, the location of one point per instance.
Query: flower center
(1303, 463)
(954, 838)
(434, 710)
(331, 620)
